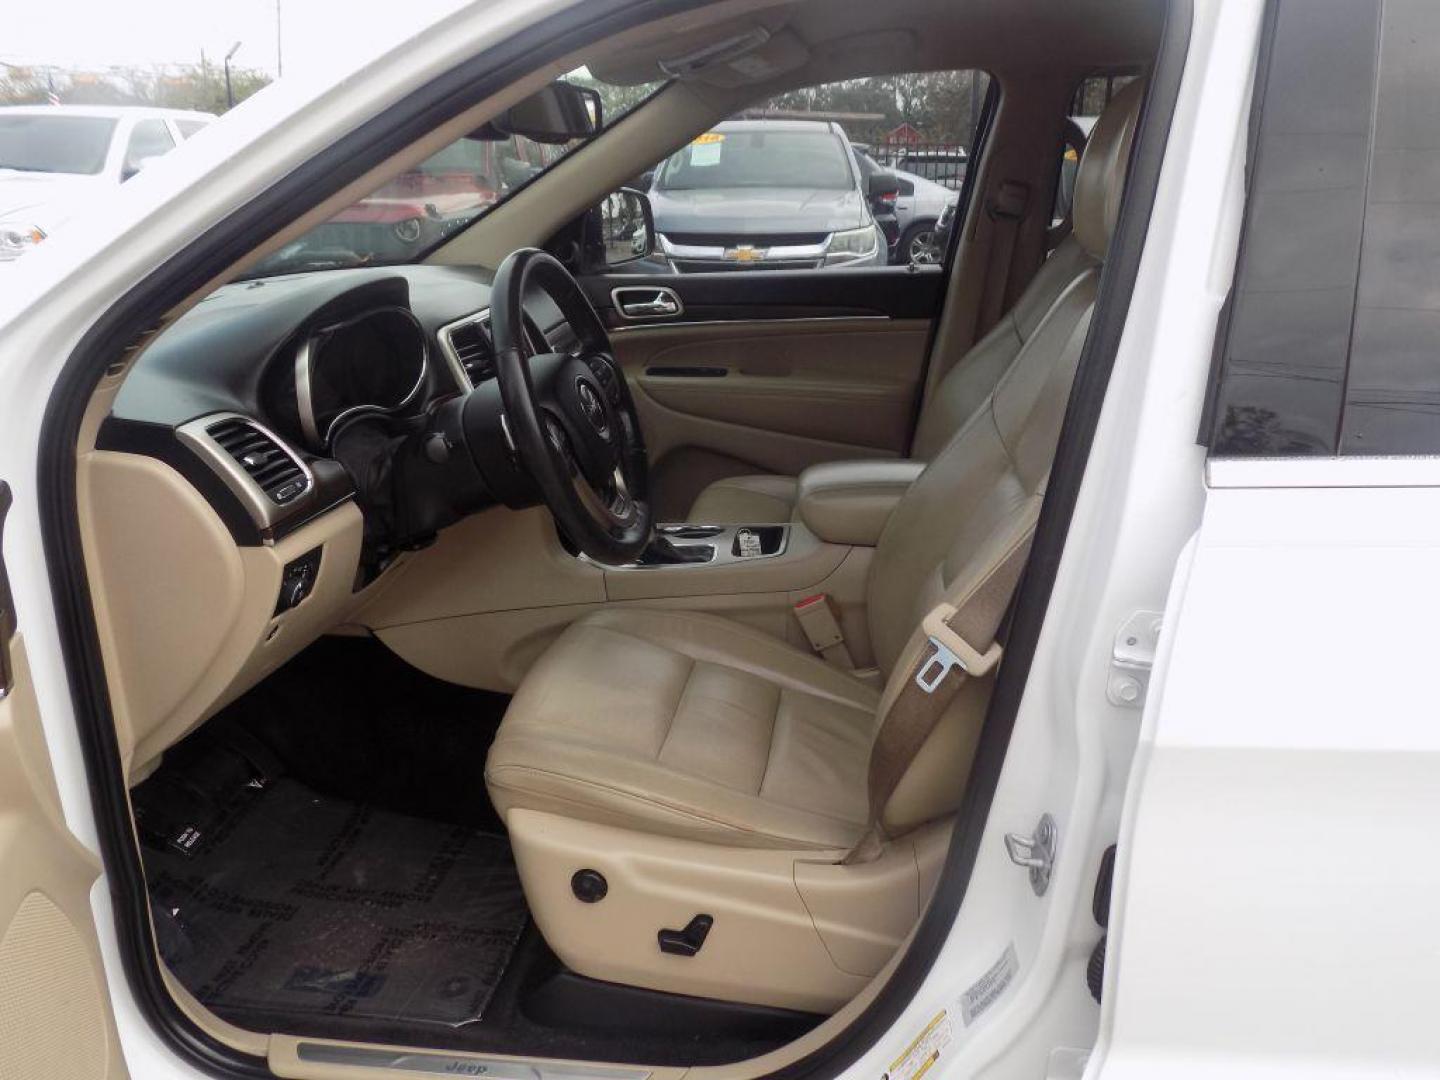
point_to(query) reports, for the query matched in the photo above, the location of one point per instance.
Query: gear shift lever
(660, 551)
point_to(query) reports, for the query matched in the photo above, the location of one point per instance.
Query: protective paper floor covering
(293, 903)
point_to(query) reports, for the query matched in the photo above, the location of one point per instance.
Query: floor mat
(293, 902)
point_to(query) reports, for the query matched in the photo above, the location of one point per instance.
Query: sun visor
(734, 53)
(758, 61)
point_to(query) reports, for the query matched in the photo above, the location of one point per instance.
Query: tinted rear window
(1333, 339)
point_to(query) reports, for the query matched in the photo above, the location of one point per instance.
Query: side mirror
(627, 227)
(133, 166)
(882, 184)
(555, 114)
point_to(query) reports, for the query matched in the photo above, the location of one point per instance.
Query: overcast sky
(101, 33)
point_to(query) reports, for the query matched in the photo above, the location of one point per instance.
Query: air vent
(470, 342)
(271, 466)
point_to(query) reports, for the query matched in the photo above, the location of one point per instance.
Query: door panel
(772, 371)
(771, 396)
(896, 292)
(56, 1009)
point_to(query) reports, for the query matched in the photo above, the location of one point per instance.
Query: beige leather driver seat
(698, 729)
(770, 497)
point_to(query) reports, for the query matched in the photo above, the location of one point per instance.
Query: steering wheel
(570, 415)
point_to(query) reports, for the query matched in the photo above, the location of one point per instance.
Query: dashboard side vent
(274, 469)
(471, 344)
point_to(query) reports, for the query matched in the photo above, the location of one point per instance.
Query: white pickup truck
(56, 159)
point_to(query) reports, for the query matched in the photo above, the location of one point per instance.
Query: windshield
(55, 144)
(439, 197)
(751, 159)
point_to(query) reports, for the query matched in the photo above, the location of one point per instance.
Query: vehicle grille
(760, 240)
(715, 266)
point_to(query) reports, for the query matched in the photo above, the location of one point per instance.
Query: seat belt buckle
(818, 622)
(951, 651)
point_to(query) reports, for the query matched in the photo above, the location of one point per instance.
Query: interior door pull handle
(644, 303)
(661, 305)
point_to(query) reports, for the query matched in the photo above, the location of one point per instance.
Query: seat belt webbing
(961, 645)
(1006, 210)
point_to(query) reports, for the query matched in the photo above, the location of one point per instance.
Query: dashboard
(224, 533)
(245, 394)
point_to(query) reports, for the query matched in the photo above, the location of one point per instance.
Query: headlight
(16, 239)
(852, 243)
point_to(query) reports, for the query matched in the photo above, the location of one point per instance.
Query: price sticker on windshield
(706, 149)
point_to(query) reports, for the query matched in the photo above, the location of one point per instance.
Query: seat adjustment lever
(686, 942)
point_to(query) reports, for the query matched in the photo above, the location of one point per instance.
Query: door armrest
(849, 502)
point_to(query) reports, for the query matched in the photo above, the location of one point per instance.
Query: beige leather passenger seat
(694, 728)
(763, 498)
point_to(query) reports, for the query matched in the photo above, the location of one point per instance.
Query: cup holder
(757, 541)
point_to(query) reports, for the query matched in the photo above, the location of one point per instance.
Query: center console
(707, 545)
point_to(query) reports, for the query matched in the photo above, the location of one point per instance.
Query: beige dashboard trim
(185, 617)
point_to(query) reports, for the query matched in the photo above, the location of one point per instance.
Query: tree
(194, 86)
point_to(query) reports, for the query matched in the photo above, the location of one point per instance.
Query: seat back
(985, 485)
(963, 389)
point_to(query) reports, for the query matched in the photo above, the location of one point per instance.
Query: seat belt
(821, 628)
(961, 644)
(1006, 209)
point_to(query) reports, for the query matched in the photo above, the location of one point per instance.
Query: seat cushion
(746, 500)
(688, 725)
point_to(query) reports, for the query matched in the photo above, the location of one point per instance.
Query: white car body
(1274, 795)
(46, 201)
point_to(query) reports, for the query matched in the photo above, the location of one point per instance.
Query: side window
(148, 139)
(1331, 342)
(853, 173)
(190, 127)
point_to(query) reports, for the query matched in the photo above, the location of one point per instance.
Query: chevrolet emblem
(745, 253)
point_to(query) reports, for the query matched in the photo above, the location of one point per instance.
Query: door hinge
(1035, 852)
(1132, 658)
(7, 607)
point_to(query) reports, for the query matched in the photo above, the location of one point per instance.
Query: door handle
(646, 303)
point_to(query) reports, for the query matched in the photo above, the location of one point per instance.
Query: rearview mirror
(558, 113)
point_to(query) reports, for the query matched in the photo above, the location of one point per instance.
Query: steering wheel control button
(589, 886)
(686, 942)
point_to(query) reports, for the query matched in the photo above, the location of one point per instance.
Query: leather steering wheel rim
(571, 417)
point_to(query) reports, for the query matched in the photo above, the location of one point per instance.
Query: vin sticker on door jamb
(923, 1052)
(986, 990)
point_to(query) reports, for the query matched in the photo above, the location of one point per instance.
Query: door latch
(1132, 658)
(1035, 852)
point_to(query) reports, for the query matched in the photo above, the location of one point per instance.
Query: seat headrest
(1100, 180)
